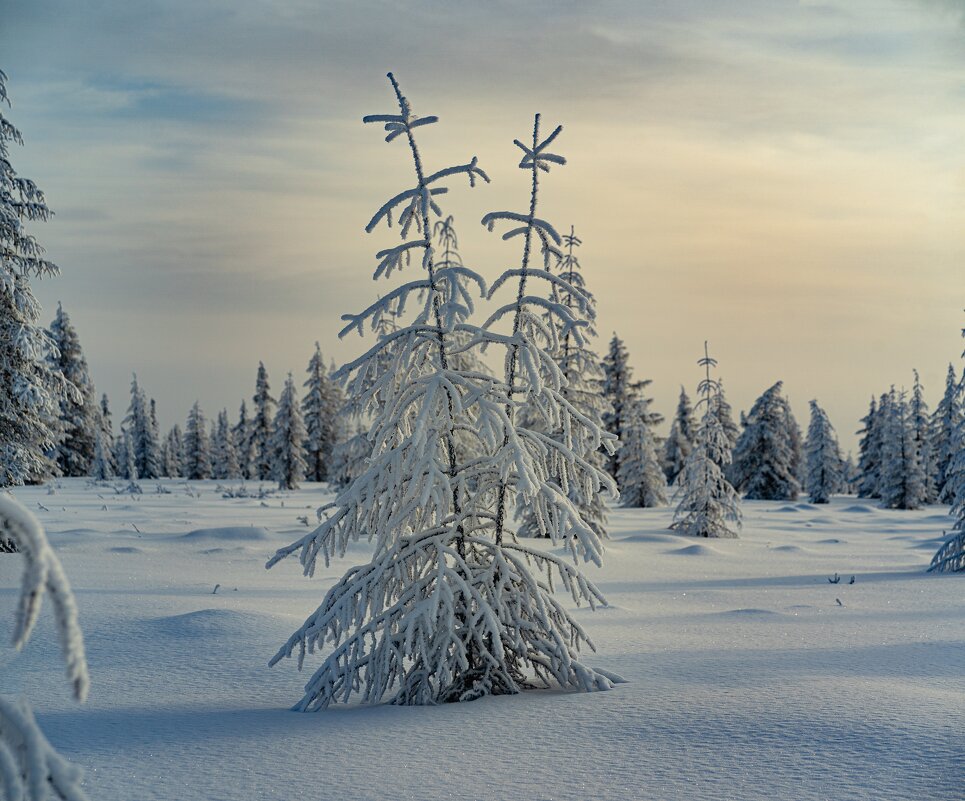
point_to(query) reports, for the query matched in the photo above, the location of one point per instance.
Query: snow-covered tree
(172, 453)
(288, 440)
(795, 445)
(260, 426)
(127, 459)
(640, 476)
(902, 474)
(683, 432)
(224, 458)
(350, 456)
(726, 416)
(79, 413)
(583, 377)
(764, 466)
(825, 467)
(707, 504)
(622, 392)
(921, 428)
(197, 446)
(107, 434)
(30, 768)
(30, 390)
(448, 609)
(869, 453)
(950, 557)
(851, 475)
(945, 424)
(245, 445)
(140, 427)
(102, 466)
(321, 407)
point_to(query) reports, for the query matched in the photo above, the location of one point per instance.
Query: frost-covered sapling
(447, 609)
(707, 504)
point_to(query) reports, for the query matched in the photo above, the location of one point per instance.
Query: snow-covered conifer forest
(503, 537)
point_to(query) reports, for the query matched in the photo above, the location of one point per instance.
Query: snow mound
(788, 549)
(660, 538)
(787, 509)
(209, 623)
(858, 508)
(695, 550)
(229, 534)
(124, 549)
(831, 541)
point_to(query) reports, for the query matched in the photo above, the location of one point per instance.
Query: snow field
(748, 680)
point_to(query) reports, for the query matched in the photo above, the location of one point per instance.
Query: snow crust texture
(747, 679)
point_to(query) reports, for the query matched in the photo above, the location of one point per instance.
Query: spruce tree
(350, 456)
(726, 416)
(197, 447)
(245, 445)
(825, 467)
(622, 392)
(138, 423)
(172, 455)
(288, 440)
(795, 445)
(582, 377)
(708, 506)
(79, 414)
(902, 473)
(224, 458)
(102, 466)
(321, 408)
(683, 431)
(260, 428)
(448, 610)
(945, 424)
(30, 390)
(764, 466)
(107, 433)
(128, 459)
(950, 558)
(922, 430)
(869, 453)
(641, 478)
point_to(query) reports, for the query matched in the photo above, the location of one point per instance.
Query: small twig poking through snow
(838, 601)
(136, 529)
(852, 580)
(215, 590)
(835, 579)
(303, 519)
(41, 507)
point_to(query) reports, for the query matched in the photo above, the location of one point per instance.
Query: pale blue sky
(784, 178)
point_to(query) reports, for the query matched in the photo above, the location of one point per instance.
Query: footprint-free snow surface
(750, 675)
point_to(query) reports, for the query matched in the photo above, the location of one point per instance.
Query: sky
(783, 179)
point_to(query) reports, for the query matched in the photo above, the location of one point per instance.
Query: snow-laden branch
(30, 769)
